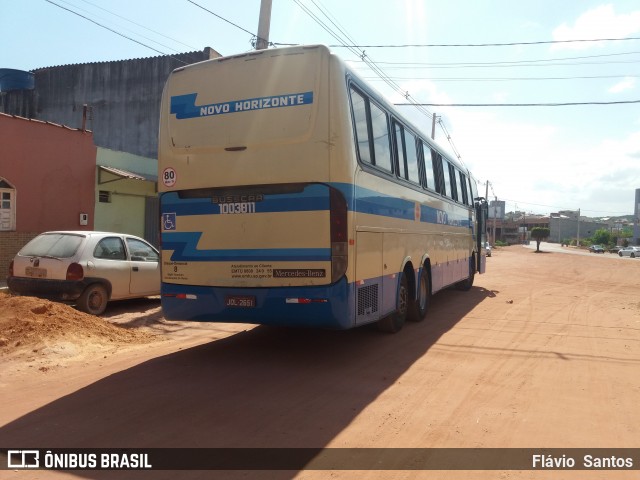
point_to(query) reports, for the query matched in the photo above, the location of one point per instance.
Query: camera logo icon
(23, 459)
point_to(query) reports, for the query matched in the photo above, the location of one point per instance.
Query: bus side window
(463, 189)
(446, 177)
(359, 108)
(452, 183)
(413, 173)
(400, 150)
(436, 160)
(427, 163)
(380, 134)
(474, 189)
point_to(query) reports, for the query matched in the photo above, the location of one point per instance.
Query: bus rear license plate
(237, 301)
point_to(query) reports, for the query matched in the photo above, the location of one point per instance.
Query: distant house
(47, 181)
(127, 194)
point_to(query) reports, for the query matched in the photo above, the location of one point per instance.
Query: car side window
(110, 248)
(141, 251)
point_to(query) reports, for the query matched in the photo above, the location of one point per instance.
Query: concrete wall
(123, 96)
(10, 244)
(567, 228)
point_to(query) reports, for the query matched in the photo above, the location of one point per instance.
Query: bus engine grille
(368, 300)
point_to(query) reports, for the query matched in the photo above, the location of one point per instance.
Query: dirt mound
(28, 323)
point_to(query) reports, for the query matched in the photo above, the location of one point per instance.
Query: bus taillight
(339, 236)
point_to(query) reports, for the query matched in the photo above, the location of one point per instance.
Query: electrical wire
(561, 104)
(139, 25)
(76, 7)
(506, 44)
(506, 79)
(450, 140)
(115, 31)
(515, 62)
(221, 18)
(343, 37)
(374, 66)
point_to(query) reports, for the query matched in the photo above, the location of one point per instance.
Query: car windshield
(59, 245)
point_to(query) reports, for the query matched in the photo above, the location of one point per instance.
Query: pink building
(47, 181)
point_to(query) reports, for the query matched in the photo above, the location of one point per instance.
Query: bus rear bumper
(314, 307)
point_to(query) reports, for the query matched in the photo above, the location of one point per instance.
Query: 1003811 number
(237, 208)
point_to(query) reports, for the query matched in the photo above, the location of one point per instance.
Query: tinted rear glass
(52, 245)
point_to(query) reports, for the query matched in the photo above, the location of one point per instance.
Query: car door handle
(135, 269)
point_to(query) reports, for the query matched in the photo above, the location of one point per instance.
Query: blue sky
(538, 159)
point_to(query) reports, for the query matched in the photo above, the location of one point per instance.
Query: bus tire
(393, 323)
(418, 307)
(466, 284)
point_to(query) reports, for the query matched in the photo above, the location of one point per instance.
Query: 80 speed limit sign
(169, 177)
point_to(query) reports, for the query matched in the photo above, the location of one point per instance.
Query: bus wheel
(467, 283)
(418, 307)
(393, 323)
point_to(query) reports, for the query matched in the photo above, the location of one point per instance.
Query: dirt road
(543, 352)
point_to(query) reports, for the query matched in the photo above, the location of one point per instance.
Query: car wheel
(393, 323)
(94, 299)
(633, 255)
(620, 253)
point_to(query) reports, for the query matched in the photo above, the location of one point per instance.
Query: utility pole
(578, 239)
(262, 43)
(433, 127)
(495, 214)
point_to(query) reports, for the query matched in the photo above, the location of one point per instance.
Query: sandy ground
(543, 352)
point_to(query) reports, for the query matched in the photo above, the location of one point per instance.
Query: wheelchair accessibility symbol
(168, 221)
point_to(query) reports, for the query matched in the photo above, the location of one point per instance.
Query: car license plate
(36, 272)
(239, 301)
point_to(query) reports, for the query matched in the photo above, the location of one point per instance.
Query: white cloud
(531, 163)
(627, 84)
(534, 165)
(599, 22)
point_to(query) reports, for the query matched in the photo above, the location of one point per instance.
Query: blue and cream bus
(291, 193)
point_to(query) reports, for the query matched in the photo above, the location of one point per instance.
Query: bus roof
(371, 90)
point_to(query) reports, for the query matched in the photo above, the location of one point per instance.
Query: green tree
(539, 234)
(601, 237)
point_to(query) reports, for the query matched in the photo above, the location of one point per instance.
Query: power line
(253, 35)
(516, 62)
(115, 31)
(107, 28)
(139, 25)
(507, 44)
(343, 37)
(565, 104)
(507, 79)
(221, 18)
(449, 139)
(78, 8)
